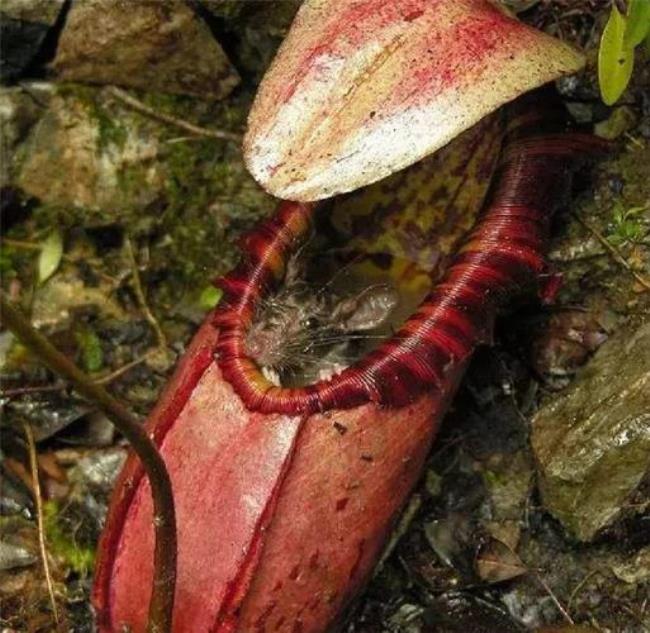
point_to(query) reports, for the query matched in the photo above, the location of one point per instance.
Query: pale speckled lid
(363, 88)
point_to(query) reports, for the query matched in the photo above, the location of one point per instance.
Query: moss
(491, 478)
(188, 202)
(47, 215)
(131, 182)
(80, 557)
(176, 105)
(90, 349)
(227, 115)
(111, 131)
(202, 181)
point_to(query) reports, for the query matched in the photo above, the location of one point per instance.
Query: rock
(58, 298)
(592, 443)
(35, 11)
(81, 154)
(98, 471)
(15, 499)
(150, 45)
(13, 556)
(23, 27)
(47, 417)
(636, 569)
(91, 161)
(19, 109)
(563, 342)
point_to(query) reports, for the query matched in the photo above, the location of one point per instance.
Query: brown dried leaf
(496, 562)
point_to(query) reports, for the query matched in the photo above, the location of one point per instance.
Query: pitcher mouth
(503, 251)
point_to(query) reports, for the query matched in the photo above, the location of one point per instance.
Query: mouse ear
(361, 89)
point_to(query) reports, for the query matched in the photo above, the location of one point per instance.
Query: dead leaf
(496, 562)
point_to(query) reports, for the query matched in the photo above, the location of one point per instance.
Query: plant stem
(164, 578)
(38, 500)
(142, 299)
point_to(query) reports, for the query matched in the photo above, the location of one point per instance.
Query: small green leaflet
(209, 297)
(50, 256)
(90, 347)
(616, 53)
(638, 22)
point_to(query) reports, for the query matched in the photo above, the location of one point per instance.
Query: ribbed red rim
(504, 252)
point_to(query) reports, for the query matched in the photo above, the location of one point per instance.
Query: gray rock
(85, 156)
(150, 45)
(98, 470)
(19, 109)
(13, 556)
(592, 443)
(38, 11)
(635, 569)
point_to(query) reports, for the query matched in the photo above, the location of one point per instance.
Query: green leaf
(619, 212)
(638, 22)
(615, 59)
(50, 256)
(92, 355)
(210, 297)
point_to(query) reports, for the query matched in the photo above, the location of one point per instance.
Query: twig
(616, 254)
(59, 386)
(164, 521)
(414, 504)
(579, 587)
(104, 380)
(30, 246)
(634, 140)
(553, 597)
(197, 130)
(142, 299)
(22, 391)
(33, 463)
